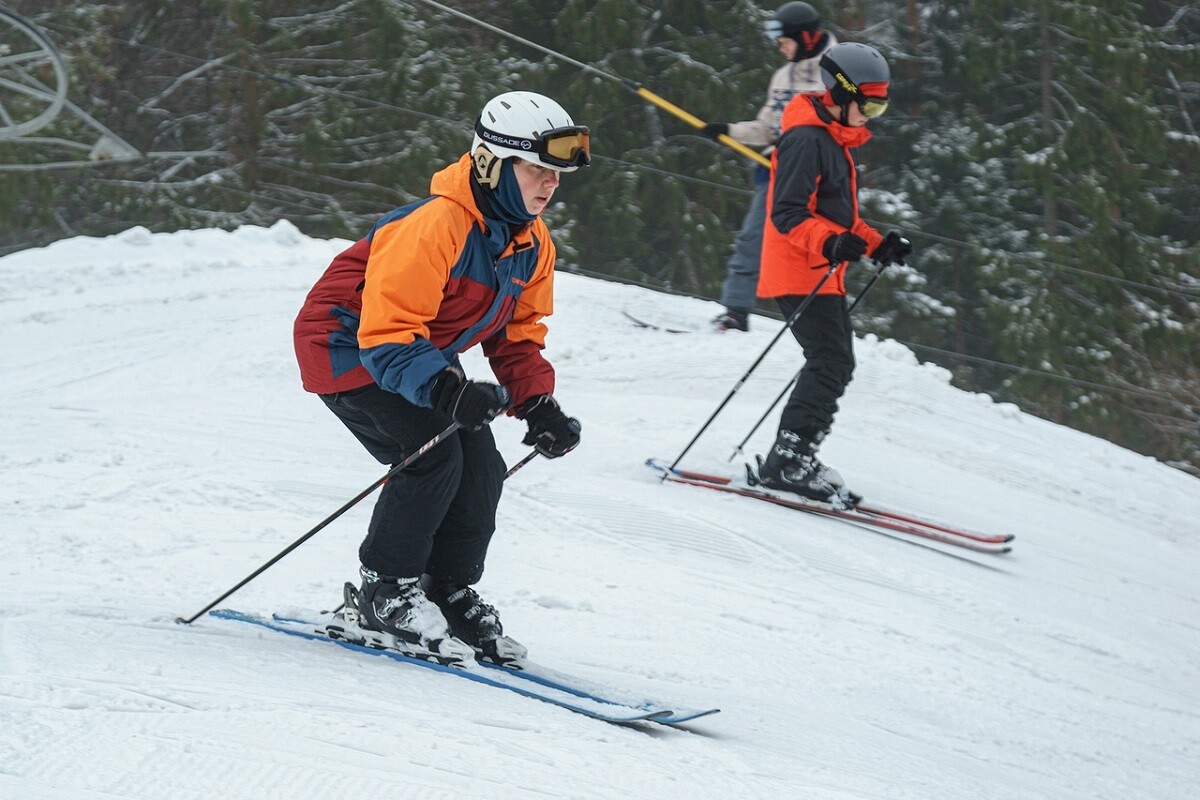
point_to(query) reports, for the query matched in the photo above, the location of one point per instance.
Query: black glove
(551, 431)
(892, 249)
(472, 404)
(844, 247)
(714, 129)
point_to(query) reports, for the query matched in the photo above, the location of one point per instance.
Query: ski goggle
(559, 147)
(872, 107)
(773, 30)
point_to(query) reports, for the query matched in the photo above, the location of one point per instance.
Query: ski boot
(792, 466)
(394, 614)
(474, 621)
(734, 319)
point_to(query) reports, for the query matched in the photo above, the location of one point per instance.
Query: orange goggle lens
(566, 147)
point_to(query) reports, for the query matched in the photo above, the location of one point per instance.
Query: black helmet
(792, 20)
(853, 72)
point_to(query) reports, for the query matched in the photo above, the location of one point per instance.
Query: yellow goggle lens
(873, 106)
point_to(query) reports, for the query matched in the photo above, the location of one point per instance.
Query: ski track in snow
(158, 448)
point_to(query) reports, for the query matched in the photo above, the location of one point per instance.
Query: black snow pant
(827, 339)
(437, 515)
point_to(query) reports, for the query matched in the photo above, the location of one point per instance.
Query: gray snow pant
(741, 278)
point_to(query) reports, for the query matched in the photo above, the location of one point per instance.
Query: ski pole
(640, 91)
(740, 448)
(422, 450)
(532, 455)
(867, 288)
(741, 381)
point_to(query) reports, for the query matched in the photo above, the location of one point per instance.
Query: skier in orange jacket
(812, 225)
(378, 338)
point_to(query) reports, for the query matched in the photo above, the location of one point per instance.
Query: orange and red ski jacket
(813, 194)
(430, 280)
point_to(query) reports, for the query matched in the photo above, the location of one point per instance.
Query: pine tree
(1069, 198)
(1045, 159)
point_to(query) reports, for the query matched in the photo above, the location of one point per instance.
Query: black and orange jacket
(430, 280)
(813, 194)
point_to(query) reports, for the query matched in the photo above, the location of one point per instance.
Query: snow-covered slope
(157, 448)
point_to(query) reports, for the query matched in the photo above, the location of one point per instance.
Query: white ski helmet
(532, 127)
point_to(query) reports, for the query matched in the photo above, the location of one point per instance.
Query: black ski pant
(827, 339)
(437, 515)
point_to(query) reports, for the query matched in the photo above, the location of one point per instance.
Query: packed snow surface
(158, 448)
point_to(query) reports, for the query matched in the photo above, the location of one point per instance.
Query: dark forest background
(1043, 157)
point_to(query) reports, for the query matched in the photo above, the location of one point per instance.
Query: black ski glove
(892, 249)
(845, 246)
(714, 129)
(551, 431)
(472, 404)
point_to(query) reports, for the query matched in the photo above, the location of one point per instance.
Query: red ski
(861, 514)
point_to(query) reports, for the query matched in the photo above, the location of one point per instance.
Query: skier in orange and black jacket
(813, 224)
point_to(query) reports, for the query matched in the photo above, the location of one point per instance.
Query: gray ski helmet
(854, 72)
(792, 20)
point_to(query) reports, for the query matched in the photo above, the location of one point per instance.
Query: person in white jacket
(796, 29)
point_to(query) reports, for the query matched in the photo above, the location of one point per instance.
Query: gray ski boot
(394, 614)
(474, 621)
(792, 466)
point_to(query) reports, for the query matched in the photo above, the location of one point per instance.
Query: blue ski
(543, 676)
(530, 681)
(569, 684)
